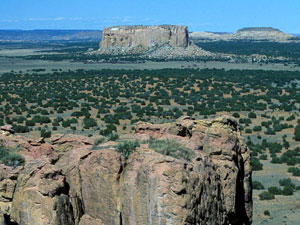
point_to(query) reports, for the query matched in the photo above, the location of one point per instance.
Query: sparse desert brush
(256, 164)
(295, 171)
(266, 196)
(171, 148)
(113, 136)
(10, 158)
(126, 148)
(256, 185)
(267, 213)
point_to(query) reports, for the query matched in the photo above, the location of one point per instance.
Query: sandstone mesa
(164, 41)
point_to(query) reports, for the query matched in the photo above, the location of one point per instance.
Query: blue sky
(198, 15)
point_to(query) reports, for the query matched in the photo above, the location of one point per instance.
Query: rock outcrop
(100, 187)
(150, 41)
(249, 33)
(261, 33)
(144, 37)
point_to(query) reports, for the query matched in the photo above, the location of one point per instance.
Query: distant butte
(248, 33)
(163, 41)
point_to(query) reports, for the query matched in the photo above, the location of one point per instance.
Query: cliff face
(167, 41)
(100, 187)
(141, 38)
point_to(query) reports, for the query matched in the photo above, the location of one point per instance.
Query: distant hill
(248, 33)
(49, 35)
(258, 29)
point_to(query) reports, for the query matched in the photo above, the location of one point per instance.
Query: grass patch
(98, 142)
(171, 148)
(10, 158)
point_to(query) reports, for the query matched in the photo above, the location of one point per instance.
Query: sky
(198, 15)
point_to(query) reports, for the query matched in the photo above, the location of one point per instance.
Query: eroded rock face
(99, 187)
(137, 39)
(166, 41)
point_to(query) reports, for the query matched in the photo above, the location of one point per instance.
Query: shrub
(252, 115)
(266, 196)
(263, 157)
(248, 131)
(127, 147)
(256, 164)
(89, 122)
(267, 213)
(113, 136)
(10, 159)
(77, 114)
(275, 190)
(295, 171)
(257, 185)
(288, 190)
(276, 160)
(30, 123)
(257, 128)
(236, 115)
(21, 129)
(290, 118)
(297, 133)
(171, 148)
(45, 134)
(285, 181)
(99, 141)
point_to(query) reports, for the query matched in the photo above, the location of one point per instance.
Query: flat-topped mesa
(257, 29)
(247, 33)
(261, 33)
(138, 39)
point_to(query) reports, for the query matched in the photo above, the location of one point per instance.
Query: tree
(252, 115)
(89, 122)
(266, 196)
(257, 185)
(45, 134)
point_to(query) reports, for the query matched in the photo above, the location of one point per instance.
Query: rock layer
(166, 41)
(100, 187)
(141, 38)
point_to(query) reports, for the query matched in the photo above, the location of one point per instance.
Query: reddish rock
(83, 186)
(7, 128)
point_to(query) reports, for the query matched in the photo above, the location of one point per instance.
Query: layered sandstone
(142, 38)
(154, 41)
(81, 186)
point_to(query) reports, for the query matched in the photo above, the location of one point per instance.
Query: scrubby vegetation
(171, 148)
(271, 49)
(256, 185)
(266, 196)
(9, 158)
(267, 213)
(126, 148)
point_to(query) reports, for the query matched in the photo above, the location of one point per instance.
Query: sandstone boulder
(7, 129)
(83, 186)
